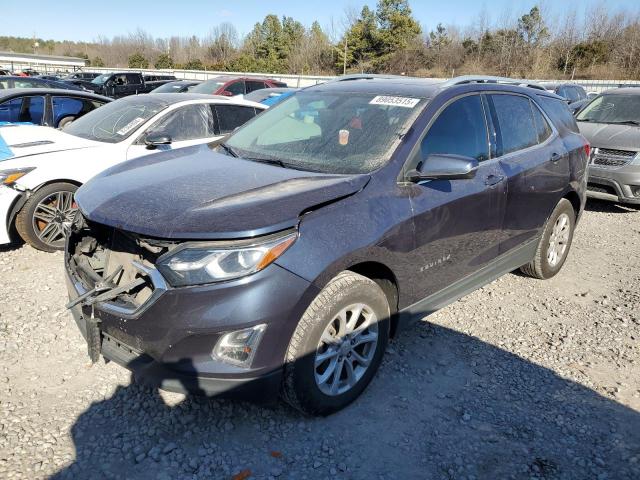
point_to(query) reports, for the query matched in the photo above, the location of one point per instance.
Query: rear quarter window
(559, 113)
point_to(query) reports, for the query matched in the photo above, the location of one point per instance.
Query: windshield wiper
(270, 161)
(228, 149)
(627, 122)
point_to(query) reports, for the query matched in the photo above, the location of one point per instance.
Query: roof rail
(489, 79)
(365, 76)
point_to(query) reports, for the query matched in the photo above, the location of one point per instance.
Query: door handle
(556, 157)
(493, 180)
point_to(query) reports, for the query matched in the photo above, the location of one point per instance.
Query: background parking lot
(521, 379)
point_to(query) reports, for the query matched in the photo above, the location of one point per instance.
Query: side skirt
(505, 263)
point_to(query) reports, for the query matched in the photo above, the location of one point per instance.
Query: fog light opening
(239, 347)
(635, 190)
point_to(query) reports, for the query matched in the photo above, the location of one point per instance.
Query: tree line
(596, 43)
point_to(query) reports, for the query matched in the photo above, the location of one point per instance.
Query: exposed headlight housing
(238, 348)
(197, 264)
(9, 177)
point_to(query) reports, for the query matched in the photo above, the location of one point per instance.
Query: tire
(65, 121)
(32, 230)
(302, 386)
(544, 265)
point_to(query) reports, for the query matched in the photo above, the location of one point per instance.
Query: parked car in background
(179, 86)
(4, 72)
(32, 82)
(282, 260)
(611, 123)
(270, 96)
(81, 79)
(153, 81)
(230, 86)
(55, 78)
(118, 84)
(47, 107)
(44, 166)
(575, 95)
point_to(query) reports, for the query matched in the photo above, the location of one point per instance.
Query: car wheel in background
(45, 216)
(554, 244)
(337, 346)
(65, 121)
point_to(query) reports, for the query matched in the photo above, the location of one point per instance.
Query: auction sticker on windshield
(130, 126)
(406, 102)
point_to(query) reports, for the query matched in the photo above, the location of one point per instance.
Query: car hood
(618, 137)
(196, 193)
(18, 141)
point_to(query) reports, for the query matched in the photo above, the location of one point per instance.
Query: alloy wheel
(53, 216)
(346, 349)
(559, 240)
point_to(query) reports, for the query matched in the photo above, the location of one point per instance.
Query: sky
(81, 20)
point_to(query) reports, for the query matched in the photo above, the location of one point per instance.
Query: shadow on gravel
(444, 405)
(595, 205)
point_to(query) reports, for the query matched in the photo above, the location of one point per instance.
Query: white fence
(304, 80)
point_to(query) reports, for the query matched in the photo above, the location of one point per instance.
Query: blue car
(270, 96)
(48, 107)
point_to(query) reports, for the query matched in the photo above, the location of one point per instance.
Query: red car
(230, 86)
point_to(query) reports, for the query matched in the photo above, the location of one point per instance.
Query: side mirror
(153, 140)
(226, 93)
(444, 167)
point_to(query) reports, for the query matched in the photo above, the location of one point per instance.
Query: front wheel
(44, 218)
(554, 244)
(337, 346)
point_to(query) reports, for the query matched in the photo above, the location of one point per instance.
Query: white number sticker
(130, 126)
(406, 102)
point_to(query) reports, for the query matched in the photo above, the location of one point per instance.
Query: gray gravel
(522, 379)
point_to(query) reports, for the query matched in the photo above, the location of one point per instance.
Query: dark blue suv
(282, 259)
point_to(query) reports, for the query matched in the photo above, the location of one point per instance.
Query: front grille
(610, 158)
(107, 257)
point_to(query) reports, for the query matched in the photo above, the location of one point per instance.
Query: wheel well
(384, 277)
(58, 180)
(575, 201)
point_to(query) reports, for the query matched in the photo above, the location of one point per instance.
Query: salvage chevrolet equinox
(282, 259)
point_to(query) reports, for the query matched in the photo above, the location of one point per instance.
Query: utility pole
(344, 63)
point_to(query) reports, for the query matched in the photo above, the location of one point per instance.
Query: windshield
(340, 133)
(115, 121)
(612, 108)
(100, 79)
(209, 86)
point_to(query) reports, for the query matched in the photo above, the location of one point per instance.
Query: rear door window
(515, 126)
(231, 117)
(459, 130)
(70, 106)
(542, 126)
(10, 110)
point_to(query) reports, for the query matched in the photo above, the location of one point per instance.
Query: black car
(7, 82)
(574, 94)
(178, 86)
(50, 107)
(118, 84)
(283, 259)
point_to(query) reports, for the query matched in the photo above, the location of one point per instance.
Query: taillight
(587, 150)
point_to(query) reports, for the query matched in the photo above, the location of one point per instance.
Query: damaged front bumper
(166, 335)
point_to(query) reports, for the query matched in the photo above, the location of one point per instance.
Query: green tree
(532, 28)
(439, 37)
(194, 64)
(397, 25)
(96, 62)
(361, 39)
(137, 60)
(163, 61)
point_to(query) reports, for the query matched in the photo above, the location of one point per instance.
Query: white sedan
(41, 168)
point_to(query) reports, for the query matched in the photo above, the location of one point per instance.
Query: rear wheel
(338, 345)
(554, 244)
(44, 218)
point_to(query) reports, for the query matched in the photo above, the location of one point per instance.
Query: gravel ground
(521, 379)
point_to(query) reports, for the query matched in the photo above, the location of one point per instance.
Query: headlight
(9, 177)
(214, 262)
(636, 159)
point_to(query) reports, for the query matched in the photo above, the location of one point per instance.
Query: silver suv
(611, 124)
